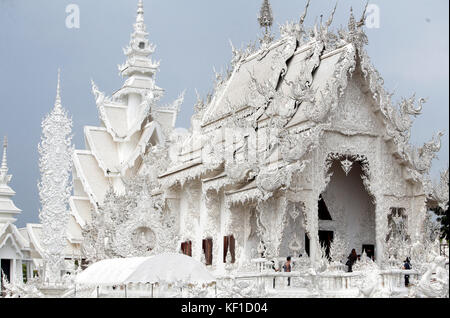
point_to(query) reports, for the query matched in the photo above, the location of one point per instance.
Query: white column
(225, 214)
(19, 271)
(29, 273)
(13, 271)
(313, 230)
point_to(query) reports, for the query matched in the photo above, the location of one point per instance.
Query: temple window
(229, 244)
(207, 246)
(186, 248)
(141, 45)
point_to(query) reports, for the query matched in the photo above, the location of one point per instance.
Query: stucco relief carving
(212, 205)
(192, 215)
(270, 225)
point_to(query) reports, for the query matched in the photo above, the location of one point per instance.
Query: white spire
(303, 17)
(265, 18)
(7, 208)
(4, 177)
(265, 21)
(4, 166)
(139, 49)
(140, 25)
(58, 90)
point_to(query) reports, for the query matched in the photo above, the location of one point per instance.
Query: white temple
(298, 143)
(299, 151)
(15, 248)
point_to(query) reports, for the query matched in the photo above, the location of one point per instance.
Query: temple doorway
(325, 239)
(346, 208)
(5, 272)
(307, 244)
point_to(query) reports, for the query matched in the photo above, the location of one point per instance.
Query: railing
(117, 291)
(264, 264)
(328, 281)
(338, 281)
(395, 278)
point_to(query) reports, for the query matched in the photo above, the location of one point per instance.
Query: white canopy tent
(168, 268)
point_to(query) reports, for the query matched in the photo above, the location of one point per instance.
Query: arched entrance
(346, 208)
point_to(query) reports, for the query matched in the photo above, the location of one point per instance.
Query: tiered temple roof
(131, 123)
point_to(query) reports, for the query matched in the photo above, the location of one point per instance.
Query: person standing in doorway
(407, 266)
(351, 260)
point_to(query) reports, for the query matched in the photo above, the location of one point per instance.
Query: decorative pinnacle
(265, 16)
(58, 90)
(362, 21)
(140, 26)
(330, 20)
(4, 162)
(351, 21)
(303, 17)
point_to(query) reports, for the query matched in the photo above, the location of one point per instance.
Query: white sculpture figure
(55, 162)
(365, 263)
(261, 249)
(21, 290)
(324, 261)
(229, 261)
(143, 239)
(370, 286)
(295, 245)
(346, 166)
(435, 282)
(338, 249)
(203, 258)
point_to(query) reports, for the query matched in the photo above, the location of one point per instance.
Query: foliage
(443, 218)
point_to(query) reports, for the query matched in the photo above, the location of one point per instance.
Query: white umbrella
(167, 268)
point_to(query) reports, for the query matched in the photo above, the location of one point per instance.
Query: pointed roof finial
(265, 18)
(58, 90)
(330, 20)
(351, 21)
(303, 17)
(4, 162)
(140, 25)
(362, 21)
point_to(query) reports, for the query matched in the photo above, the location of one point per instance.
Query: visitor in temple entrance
(287, 268)
(351, 260)
(407, 266)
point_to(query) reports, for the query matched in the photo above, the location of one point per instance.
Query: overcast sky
(410, 49)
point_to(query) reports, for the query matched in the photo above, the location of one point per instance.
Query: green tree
(443, 218)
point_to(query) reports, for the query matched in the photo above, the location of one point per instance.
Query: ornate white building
(299, 143)
(15, 249)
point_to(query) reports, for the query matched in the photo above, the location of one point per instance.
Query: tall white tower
(8, 210)
(131, 123)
